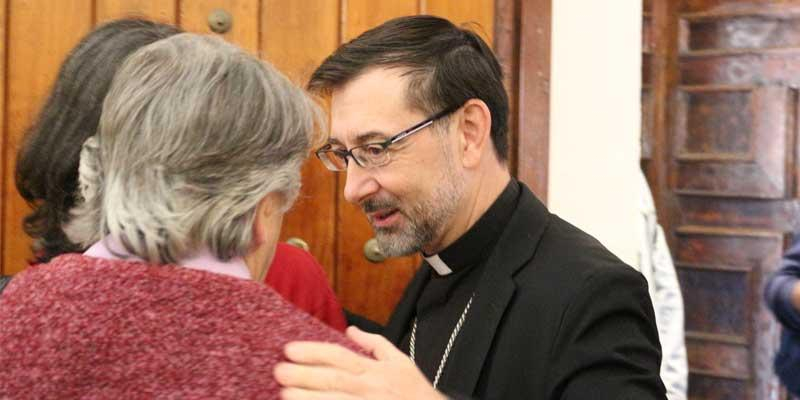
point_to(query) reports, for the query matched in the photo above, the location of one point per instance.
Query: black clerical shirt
(444, 297)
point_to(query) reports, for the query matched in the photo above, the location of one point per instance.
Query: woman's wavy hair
(47, 162)
(194, 133)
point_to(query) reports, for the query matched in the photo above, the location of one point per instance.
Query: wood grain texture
(193, 17)
(477, 15)
(733, 142)
(361, 15)
(746, 31)
(729, 6)
(40, 34)
(313, 217)
(3, 142)
(533, 142)
(663, 78)
(156, 10)
(719, 359)
(506, 48)
(781, 215)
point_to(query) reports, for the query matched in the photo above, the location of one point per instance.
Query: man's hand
(329, 371)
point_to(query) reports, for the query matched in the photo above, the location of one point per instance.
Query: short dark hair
(447, 66)
(47, 163)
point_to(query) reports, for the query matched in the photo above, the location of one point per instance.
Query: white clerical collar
(438, 265)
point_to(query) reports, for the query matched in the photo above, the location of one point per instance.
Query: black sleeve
(365, 324)
(607, 345)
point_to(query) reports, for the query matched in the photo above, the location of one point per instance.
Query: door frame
(522, 44)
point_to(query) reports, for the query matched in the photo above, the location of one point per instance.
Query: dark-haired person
(511, 301)
(47, 164)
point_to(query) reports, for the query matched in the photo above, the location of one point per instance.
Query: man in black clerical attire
(511, 301)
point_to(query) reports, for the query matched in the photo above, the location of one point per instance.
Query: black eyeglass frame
(346, 155)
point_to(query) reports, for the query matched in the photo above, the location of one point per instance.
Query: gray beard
(396, 242)
(424, 222)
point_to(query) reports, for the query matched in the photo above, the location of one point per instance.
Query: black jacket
(554, 316)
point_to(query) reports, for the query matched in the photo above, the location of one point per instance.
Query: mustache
(372, 205)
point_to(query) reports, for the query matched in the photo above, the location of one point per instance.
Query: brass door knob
(372, 251)
(297, 242)
(220, 21)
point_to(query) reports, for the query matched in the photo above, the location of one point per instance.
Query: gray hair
(194, 133)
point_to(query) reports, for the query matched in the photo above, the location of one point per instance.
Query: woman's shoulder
(159, 299)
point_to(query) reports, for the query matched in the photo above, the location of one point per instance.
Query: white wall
(595, 119)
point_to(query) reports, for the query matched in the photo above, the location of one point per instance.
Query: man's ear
(475, 127)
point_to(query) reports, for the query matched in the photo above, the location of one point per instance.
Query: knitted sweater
(93, 328)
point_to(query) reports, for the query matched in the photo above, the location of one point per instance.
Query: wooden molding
(522, 40)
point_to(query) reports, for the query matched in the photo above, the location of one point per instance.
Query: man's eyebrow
(369, 137)
(334, 142)
(360, 139)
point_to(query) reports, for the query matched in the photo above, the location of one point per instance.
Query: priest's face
(411, 199)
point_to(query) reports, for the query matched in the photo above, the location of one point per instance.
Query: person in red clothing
(182, 189)
(298, 277)
(47, 163)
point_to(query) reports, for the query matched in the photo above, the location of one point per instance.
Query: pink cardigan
(80, 326)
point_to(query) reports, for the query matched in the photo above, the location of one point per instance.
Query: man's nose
(359, 183)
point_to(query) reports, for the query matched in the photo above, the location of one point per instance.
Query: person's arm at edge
(782, 291)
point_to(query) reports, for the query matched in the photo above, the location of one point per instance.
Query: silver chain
(413, 342)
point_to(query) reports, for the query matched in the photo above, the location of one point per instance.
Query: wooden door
(720, 108)
(295, 36)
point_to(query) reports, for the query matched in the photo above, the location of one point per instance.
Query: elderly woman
(47, 164)
(183, 188)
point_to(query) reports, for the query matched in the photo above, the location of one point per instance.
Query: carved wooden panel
(728, 248)
(733, 7)
(719, 358)
(713, 301)
(723, 132)
(782, 215)
(743, 32)
(776, 66)
(731, 141)
(707, 387)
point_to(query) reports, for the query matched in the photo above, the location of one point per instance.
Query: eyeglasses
(372, 155)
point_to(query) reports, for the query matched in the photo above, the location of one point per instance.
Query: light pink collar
(202, 260)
